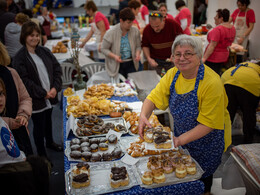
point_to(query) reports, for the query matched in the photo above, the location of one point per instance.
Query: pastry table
(193, 187)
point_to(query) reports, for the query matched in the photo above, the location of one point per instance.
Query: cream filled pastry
(158, 176)
(181, 171)
(191, 168)
(147, 178)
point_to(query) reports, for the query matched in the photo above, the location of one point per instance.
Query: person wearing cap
(157, 40)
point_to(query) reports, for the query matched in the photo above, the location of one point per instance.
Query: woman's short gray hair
(194, 42)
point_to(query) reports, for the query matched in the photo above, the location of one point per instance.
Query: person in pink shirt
(243, 19)
(163, 9)
(184, 16)
(219, 38)
(143, 15)
(99, 26)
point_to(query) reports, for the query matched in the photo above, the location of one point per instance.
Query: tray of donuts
(175, 166)
(93, 126)
(93, 149)
(100, 177)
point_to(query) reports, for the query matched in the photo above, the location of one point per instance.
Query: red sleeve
(145, 10)
(169, 16)
(98, 17)
(214, 35)
(145, 38)
(234, 15)
(250, 16)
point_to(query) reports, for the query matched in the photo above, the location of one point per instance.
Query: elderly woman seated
(197, 101)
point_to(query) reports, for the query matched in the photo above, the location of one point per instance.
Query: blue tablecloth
(194, 187)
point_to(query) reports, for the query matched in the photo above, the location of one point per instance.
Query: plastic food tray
(115, 121)
(170, 178)
(111, 147)
(100, 179)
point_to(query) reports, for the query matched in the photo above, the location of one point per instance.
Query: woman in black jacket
(41, 74)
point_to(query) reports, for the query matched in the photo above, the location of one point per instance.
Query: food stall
(95, 157)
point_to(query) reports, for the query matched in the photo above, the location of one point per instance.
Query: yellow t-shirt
(245, 77)
(211, 94)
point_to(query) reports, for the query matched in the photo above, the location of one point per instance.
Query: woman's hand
(240, 40)
(177, 142)
(22, 120)
(52, 93)
(137, 58)
(152, 62)
(118, 59)
(143, 121)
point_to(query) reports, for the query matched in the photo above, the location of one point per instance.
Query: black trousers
(42, 128)
(239, 97)
(127, 67)
(215, 66)
(23, 140)
(207, 183)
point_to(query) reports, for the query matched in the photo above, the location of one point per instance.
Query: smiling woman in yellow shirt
(197, 101)
(210, 98)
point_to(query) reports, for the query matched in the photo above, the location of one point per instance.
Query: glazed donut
(94, 148)
(99, 122)
(92, 118)
(120, 127)
(110, 125)
(80, 131)
(89, 124)
(96, 129)
(81, 122)
(87, 132)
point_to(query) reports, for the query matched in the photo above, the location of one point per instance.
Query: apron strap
(237, 67)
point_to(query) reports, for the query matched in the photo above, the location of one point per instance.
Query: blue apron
(207, 151)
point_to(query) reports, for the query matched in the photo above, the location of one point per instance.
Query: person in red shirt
(219, 39)
(99, 26)
(243, 19)
(163, 9)
(184, 16)
(157, 40)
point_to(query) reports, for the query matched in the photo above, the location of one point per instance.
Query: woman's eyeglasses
(187, 55)
(155, 15)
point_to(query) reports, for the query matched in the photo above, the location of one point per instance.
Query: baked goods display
(68, 92)
(59, 48)
(172, 163)
(93, 150)
(119, 177)
(92, 125)
(91, 106)
(160, 136)
(101, 91)
(137, 149)
(124, 89)
(80, 175)
(132, 118)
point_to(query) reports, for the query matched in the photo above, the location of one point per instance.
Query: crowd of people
(202, 100)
